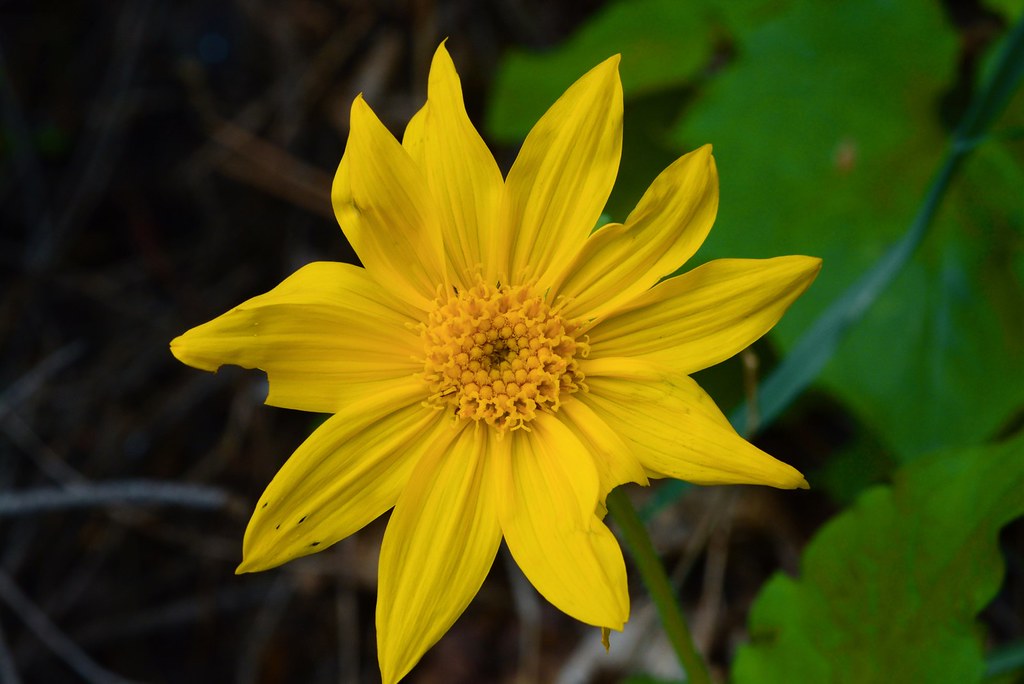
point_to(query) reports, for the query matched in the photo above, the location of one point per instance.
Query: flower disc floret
(500, 354)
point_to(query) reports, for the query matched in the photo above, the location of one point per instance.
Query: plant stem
(658, 586)
(116, 493)
(1004, 660)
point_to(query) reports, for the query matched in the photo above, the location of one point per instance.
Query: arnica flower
(496, 367)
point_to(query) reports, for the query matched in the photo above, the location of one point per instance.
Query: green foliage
(1004, 664)
(889, 590)
(826, 147)
(846, 474)
(1010, 9)
(646, 33)
(663, 43)
(828, 122)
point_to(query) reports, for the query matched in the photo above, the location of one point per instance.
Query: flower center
(500, 355)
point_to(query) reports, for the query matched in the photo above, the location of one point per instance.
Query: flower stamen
(500, 354)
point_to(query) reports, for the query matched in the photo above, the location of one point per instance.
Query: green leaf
(826, 130)
(889, 590)
(663, 43)
(1010, 9)
(647, 34)
(860, 464)
(1005, 660)
(1004, 79)
(956, 374)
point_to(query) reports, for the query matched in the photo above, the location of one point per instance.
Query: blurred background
(160, 162)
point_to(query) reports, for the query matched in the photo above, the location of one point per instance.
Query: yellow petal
(563, 175)
(381, 200)
(439, 545)
(547, 488)
(703, 317)
(412, 139)
(675, 429)
(618, 262)
(460, 171)
(347, 473)
(319, 335)
(613, 458)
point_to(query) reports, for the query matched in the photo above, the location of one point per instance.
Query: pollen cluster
(500, 354)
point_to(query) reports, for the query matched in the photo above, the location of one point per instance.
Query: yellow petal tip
(441, 53)
(358, 113)
(187, 353)
(610, 65)
(250, 564)
(178, 347)
(811, 265)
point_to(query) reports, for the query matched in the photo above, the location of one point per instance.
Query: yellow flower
(496, 368)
